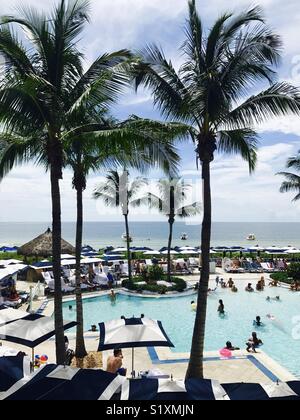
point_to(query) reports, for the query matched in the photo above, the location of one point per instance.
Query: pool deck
(243, 367)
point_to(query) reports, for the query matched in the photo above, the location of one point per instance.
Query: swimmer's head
(193, 302)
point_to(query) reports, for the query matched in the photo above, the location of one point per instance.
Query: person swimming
(276, 298)
(221, 308)
(253, 343)
(257, 322)
(230, 347)
(193, 305)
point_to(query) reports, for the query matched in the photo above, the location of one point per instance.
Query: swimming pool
(281, 336)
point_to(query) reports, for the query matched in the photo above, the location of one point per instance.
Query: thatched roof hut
(42, 246)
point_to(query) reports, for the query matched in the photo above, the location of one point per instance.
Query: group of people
(223, 284)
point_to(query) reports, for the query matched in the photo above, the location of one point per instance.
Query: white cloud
(237, 196)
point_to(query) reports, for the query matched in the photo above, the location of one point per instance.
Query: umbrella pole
(32, 357)
(132, 363)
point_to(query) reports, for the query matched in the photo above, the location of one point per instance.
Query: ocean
(155, 234)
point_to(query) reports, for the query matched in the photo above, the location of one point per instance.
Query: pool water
(281, 336)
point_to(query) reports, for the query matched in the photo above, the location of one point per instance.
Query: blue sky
(120, 24)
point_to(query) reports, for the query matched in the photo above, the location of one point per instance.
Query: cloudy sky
(120, 24)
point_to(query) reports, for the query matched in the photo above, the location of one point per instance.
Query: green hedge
(179, 286)
(281, 277)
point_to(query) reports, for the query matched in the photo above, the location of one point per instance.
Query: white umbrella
(292, 251)
(131, 333)
(189, 252)
(152, 253)
(119, 250)
(67, 257)
(172, 252)
(29, 330)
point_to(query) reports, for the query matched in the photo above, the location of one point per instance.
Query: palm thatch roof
(42, 246)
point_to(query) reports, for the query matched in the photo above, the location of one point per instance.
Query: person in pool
(113, 296)
(230, 347)
(193, 305)
(230, 283)
(253, 343)
(257, 322)
(221, 308)
(249, 288)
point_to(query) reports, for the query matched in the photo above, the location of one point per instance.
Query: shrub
(179, 286)
(281, 277)
(294, 271)
(155, 272)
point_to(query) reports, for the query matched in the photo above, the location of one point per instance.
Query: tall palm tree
(42, 86)
(128, 144)
(213, 92)
(118, 191)
(292, 182)
(171, 203)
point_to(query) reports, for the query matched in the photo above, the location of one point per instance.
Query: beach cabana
(132, 333)
(42, 246)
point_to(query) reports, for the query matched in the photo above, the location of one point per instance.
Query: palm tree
(213, 92)
(101, 150)
(117, 191)
(42, 86)
(170, 202)
(292, 182)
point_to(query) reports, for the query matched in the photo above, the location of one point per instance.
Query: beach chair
(101, 280)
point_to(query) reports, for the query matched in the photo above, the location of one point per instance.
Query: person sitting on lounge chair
(115, 362)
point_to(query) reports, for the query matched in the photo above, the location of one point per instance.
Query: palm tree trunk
(56, 254)
(171, 224)
(80, 345)
(195, 368)
(128, 248)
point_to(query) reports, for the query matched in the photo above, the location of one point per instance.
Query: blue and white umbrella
(12, 370)
(197, 390)
(132, 333)
(28, 330)
(58, 383)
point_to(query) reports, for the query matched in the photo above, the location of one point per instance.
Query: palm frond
(281, 99)
(191, 210)
(241, 141)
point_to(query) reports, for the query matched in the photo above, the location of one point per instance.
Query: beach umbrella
(28, 330)
(152, 253)
(119, 250)
(256, 248)
(292, 251)
(59, 383)
(205, 390)
(42, 246)
(132, 333)
(67, 257)
(189, 252)
(12, 370)
(172, 252)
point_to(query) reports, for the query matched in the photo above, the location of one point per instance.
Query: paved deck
(242, 368)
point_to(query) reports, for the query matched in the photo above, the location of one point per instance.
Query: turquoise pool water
(281, 336)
